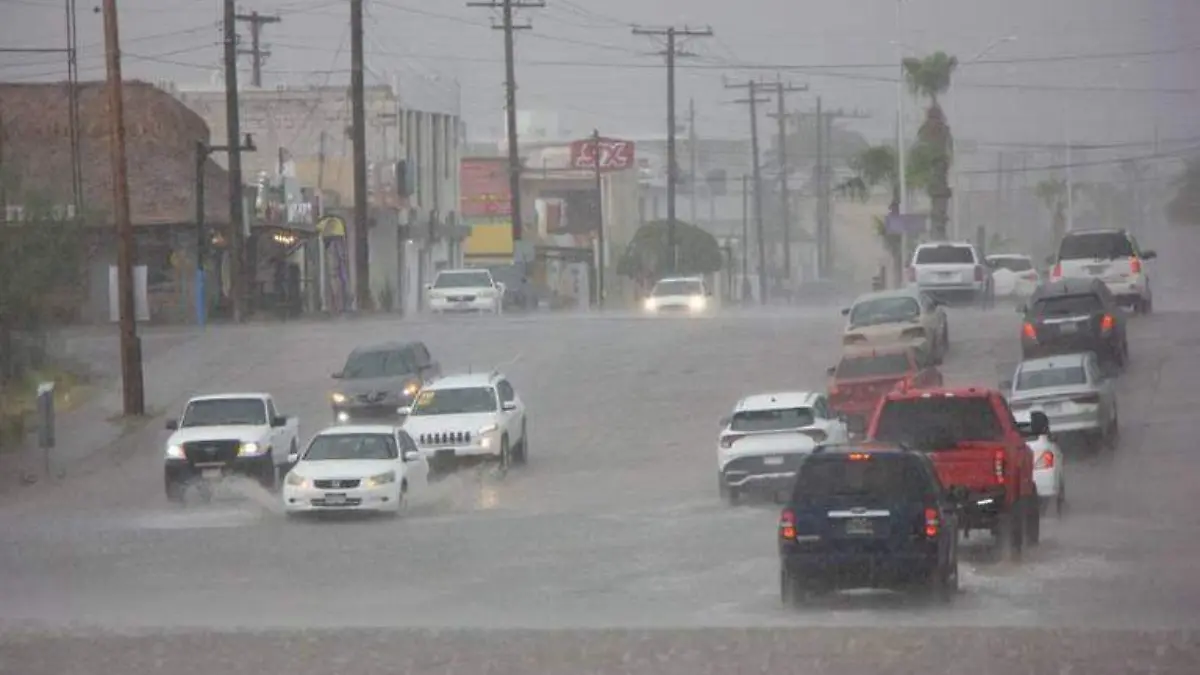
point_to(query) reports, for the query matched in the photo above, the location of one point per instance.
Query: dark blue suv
(867, 516)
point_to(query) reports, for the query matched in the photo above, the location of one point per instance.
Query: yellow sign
(490, 239)
(331, 226)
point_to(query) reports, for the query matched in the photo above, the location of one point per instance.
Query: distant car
(1013, 275)
(688, 295)
(865, 375)
(764, 466)
(951, 270)
(868, 515)
(378, 380)
(1072, 391)
(355, 468)
(467, 419)
(1074, 315)
(1112, 256)
(904, 317)
(465, 291)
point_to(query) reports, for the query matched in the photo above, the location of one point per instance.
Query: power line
(1177, 154)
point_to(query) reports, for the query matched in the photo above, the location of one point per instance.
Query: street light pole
(902, 169)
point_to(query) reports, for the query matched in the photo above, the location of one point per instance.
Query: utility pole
(133, 394)
(233, 132)
(781, 91)
(822, 179)
(672, 33)
(362, 247)
(258, 55)
(600, 258)
(745, 236)
(510, 88)
(692, 158)
(203, 150)
(753, 101)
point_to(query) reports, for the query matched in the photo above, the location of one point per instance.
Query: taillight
(787, 525)
(911, 273)
(998, 466)
(1045, 460)
(1135, 266)
(1107, 323)
(1057, 271)
(931, 522)
(728, 441)
(834, 390)
(1029, 331)
(978, 273)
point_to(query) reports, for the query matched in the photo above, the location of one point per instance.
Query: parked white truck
(228, 434)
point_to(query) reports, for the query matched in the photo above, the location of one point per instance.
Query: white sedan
(355, 468)
(1048, 474)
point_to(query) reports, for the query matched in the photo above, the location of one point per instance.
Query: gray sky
(581, 58)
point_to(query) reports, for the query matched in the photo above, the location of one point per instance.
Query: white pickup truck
(223, 434)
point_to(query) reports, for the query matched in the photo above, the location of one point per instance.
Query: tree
(648, 256)
(1184, 207)
(930, 77)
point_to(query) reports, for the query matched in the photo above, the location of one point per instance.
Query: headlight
(343, 416)
(488, 429)
(249, 449)
(175, 452)
(381, 479)
(697, 303)
(651, 304)
(338, 398)
(411, 389)
(296, 480)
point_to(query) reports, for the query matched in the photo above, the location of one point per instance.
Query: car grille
(444, 437)
(341, 504)
(372, 412)
(211, 452)
(460, 298)
(343, 484)
(373, 397)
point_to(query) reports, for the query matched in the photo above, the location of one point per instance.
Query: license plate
(335, 499)
(948, 275)
(1068, 328)
(773, 461)
(210, 473)
(1098, 269)
(859, 526)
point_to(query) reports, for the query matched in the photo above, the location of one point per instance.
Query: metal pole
(201, 295)
(131, 352)
(362, 250)
(745, 232)
(692, 158)
(819, 184)
(672, 245)
(514, 151)
(233, 134)
(900, 150)
(600, 257)
(758, 206)
(784, 197)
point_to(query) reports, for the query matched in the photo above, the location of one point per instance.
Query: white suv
(465, 419)
(465, 290)
(947, 269)
(1114, 257)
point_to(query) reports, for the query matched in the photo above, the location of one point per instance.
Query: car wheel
(733, 496)
(791, 592)
(505, 459)
(175, 492)
(401, 502)
(1010, 533)
(943, 582)
(521, 454)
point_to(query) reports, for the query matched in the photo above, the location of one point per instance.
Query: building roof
(160, 137)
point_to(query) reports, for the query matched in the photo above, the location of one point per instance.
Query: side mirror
(1006, 385)
(293, 457)
(279, 421)
(508, 406)
(404, 411)
(172, 425)
(429, 287)
(831, 371)
(500, 287)
(1149, 255)
(725, 421)
(845, 311)
(412, 456)
(336, 376)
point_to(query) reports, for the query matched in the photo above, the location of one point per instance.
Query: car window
(678, 287)
(938, 421)
(771, 420)
(271, 414)
(1051, 377)
(945, 255)
(1068, 305)
(379, 363)
(472, 279)
(224, 412)
(873, 365)
(422, 354)
(884, 310)
(879, 474)
(406, 442)
(1012, 264)
(1095, 246)
(351, 446)
(454, 401)
(506, 391)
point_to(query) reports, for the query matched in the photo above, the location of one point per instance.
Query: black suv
(377, 381)
(1074, 315)
(868, 515)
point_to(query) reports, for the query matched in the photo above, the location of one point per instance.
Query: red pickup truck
(865, 374)
(979, 452)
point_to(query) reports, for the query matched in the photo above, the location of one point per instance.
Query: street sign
(911, 224)
(615, 155)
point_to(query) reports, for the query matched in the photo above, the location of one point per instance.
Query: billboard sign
(911, 224)
(615, 155)
(483, 184)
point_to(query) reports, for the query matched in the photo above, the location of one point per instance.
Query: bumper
(1127, 290)
(259, 467)
(762, 475)
(861, 569)
(950, 292)
(982, 510)
(307, 499)
(676, 310)
(471, 307)
(1104, 347)
(369, 414)
(447, 459)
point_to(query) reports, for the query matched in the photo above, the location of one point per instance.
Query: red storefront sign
(483, 184)
(615, 154)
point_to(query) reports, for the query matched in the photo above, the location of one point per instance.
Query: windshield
(882, 475)
(1095, 246)
(938, 421)
(351, 446)
(878, 365)
(224, 411)
(1012, 264)
(455, 401)
(389, 363)
(772, 420)
(945, 255)
(680, 287)
(884, 310)
(479, 279)
(1069, 305)
(1051, 377)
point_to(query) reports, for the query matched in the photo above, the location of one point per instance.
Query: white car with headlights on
(227, 434)
(465, 291)
(467, 419)
(355, 468)
(684, 295)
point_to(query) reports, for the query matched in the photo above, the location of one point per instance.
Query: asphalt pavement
(610, 551)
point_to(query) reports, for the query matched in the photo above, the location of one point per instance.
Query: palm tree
(930, 77)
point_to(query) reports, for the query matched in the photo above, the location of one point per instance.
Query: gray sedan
(1073, 392)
